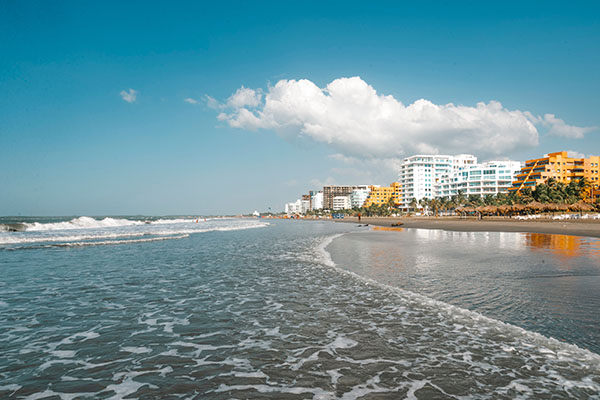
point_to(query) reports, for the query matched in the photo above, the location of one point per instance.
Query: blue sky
(71, 145)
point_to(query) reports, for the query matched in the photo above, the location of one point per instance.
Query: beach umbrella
(534, 206)
(518, 207)
(551, 207)
(503, 209)
(581, 206)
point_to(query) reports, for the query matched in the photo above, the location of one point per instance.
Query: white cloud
(211, 102)
(190, 100)
(245, 97)
(558, 127)
(575, 154)
(353, 118)
(129, 96)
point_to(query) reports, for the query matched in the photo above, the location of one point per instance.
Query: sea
(239, 308)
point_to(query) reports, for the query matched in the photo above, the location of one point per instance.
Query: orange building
(381, 195)
(558, 166)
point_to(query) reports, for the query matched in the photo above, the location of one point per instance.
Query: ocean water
(228, 308)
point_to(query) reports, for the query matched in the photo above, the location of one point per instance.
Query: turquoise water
(285, 309)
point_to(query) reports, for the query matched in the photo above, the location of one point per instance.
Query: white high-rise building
(317, 201)
(420, 173)
(341, 202)
(294, 208)
(492, 177)
(358, 197)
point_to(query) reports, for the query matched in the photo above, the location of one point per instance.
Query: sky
(164, 108)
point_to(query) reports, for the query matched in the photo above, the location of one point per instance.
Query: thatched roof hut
(488, 209)
(581, 206)
(518, 207)
(504, 209)
(534, 206)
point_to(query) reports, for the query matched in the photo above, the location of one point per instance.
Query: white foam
(10, 388)
(81, 223)
(63, 353)
(136, 350)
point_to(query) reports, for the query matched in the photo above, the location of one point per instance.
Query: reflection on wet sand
(387, 228)
(546, 283)
(565, 246)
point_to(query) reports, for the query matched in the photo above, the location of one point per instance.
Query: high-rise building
(358, 197)
(341, 203)
(558, 166)
(419, 174)
(480, 179)
(329, 192)
(382, 194)
(316, 200)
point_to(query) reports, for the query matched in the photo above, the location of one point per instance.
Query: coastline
(589, 228)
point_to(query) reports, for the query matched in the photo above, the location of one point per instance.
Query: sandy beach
(583, 227)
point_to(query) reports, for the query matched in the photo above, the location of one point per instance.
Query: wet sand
(582, 227)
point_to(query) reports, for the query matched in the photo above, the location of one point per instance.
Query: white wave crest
(82, 223)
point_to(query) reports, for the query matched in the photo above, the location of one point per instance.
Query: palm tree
(413, 204)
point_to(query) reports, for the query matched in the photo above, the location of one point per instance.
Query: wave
(560, 348)
(81, 223)
(85, 222)
(118, 236)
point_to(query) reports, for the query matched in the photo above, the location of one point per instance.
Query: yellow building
(558, 166)
(381, 195)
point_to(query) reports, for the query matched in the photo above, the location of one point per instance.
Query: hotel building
(341, 203)
(381, 195)
(480, 179)
(558, 166)
(358, 197)
(419, 174)
(329, 192)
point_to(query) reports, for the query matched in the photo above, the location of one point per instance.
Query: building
(358, 197)
(316, 200)
(419, 174)
(293, 208)
(480, 179)
(341, 203)
(305, 203)
(329, 192)
(558, 166)
(382, 194)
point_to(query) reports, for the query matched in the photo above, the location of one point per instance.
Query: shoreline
(589, 228)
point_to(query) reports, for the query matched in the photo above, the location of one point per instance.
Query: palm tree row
(550, 196)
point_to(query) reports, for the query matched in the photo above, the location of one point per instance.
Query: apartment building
(420, 173)
(382, 194)
(329, 192)
(492, 177)
(558, 166)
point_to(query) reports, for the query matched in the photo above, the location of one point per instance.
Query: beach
(580, 227)
(154, 307)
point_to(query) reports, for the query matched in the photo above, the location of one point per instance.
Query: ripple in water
(260, 313)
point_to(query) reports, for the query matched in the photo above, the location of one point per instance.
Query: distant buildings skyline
(428, 176)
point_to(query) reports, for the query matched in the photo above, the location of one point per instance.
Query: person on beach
(358, 217)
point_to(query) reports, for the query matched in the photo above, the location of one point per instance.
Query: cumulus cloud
(129, 96)
(245, 97)
(353, 118)
(558, 127)
(190, 100)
